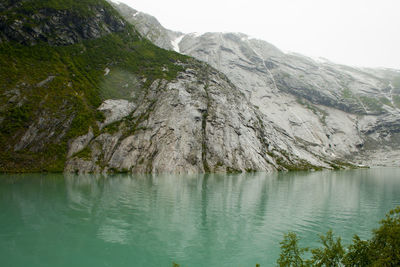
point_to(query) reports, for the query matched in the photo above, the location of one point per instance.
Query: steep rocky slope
(82, 91)
(333, 110)
(148, 26)
(56, 22)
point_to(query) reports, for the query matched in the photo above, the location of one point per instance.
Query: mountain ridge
(315, 91)
(108, 100)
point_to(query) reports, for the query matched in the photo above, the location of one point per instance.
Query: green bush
(331, 253)
(291, 254)
(382, 250)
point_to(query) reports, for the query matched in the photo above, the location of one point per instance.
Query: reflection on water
(199, 220)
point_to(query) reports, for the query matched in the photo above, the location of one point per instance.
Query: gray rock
(80, 166)
(115, 110)
(148, 26)
(57, 27)
(48, 79)
(80, 143)
(199, 122)
(269, 110)
(335, 111)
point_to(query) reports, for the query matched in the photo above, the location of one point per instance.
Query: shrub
(382, 250)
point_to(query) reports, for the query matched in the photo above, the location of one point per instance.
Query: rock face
(55, 25)
(115, 110)
(199, 122)
(106, 100)
(88, 94)
(334, 110)
(148, 26)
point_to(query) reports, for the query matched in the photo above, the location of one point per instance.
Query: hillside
(82, 91)
(334, 110)
(54, 55)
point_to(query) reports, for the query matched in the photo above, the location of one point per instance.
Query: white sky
(353, 32)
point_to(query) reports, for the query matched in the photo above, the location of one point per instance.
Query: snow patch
(175, 43)
(287, 52)
(196, 34)
(320, 59)
(243, 37)
(137, 13)
(249, 37)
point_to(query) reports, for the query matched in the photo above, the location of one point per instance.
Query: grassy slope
(81, 7)
(75, 92)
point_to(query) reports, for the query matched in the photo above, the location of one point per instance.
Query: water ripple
(199, 220)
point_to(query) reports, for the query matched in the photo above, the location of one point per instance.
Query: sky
(362, 33)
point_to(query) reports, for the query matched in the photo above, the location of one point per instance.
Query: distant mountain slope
(148, 26)
(82, 91)
(332, 109)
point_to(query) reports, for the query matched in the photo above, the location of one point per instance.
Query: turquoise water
(203, 220)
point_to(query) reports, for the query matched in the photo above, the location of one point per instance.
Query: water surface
(201, 220)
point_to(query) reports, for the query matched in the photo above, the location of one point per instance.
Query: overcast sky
(354, 32)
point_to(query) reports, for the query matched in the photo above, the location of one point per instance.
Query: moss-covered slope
(53, 75)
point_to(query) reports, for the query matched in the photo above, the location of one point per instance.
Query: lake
(197, 220)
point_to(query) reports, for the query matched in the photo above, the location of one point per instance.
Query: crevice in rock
(263, 140)
(203, 129)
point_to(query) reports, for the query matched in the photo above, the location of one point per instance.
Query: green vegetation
(385, 101)
(80, 8)
(383, 249)
(340, 165)
(396, 100)
(64, 107)
(300, 165)
(15, 118)
(372, 104)
(25, 11)
(329, 255)
(119, 84)
(85, 154)
(291, 254)
(112, 128)
(292, 163)
(346, 93)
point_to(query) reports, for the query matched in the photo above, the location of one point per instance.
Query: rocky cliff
(333, 111)
(56, 22)
(82, 91)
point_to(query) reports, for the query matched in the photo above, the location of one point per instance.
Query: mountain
(330, 110)
(148, 26)
(83, 91)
